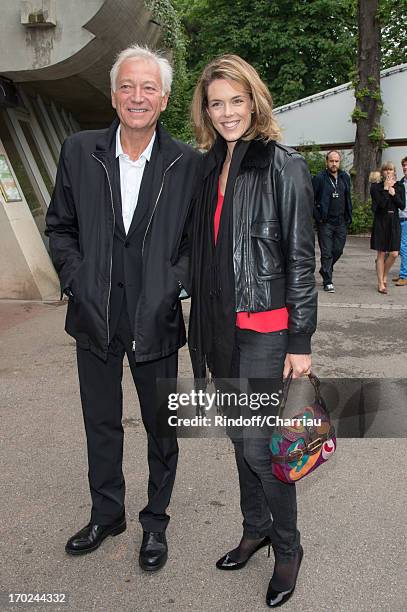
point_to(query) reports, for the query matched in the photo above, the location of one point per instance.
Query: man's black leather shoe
(90, 537)
(153, 551)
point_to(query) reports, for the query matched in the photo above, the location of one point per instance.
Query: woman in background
(387, 197)
(254, 301)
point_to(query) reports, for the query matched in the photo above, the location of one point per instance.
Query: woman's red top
(263, 322)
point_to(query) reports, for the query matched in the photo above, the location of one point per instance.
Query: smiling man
(115, 225)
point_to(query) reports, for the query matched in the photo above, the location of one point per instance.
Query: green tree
(368, 109)
(382, 41)
(299, 47)
(173, 41)
(393, 19)
(314, 157)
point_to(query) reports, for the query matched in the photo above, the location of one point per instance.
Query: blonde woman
(387, 198)
(254, 300)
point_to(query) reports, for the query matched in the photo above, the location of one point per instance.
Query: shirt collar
(146, 154)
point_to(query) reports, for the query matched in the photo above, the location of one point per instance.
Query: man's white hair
(138, 52)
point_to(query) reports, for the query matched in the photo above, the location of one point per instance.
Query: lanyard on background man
(335, 186)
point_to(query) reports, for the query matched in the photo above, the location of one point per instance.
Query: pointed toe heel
(227, 563)
(275, 598)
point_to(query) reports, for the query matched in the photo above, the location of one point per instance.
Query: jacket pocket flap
(266, 229)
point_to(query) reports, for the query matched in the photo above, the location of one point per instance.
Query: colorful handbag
(299, 448)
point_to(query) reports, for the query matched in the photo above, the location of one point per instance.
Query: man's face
(333, 162)
(138, 98)
(404, 166)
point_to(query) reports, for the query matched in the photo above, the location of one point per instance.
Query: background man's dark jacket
(80, 226)
(323, 190)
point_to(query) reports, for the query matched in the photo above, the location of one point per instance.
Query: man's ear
(113, 97)
(164, 101)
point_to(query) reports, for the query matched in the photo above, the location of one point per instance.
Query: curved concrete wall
(65, 66)
(33, 48)
(83, 43)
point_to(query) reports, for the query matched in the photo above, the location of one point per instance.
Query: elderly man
(332, 213)
(115, 225)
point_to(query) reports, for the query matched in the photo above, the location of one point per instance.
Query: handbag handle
(314, 380)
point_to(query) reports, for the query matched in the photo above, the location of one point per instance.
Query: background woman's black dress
(386, 225)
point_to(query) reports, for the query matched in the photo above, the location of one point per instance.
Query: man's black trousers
(331, 239)
(101, 395)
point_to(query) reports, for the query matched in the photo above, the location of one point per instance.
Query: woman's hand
(299, 364)
(389, 185)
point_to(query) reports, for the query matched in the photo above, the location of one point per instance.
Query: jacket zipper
(156, 202)
(111, 252)
(249, 289)
(149, 223)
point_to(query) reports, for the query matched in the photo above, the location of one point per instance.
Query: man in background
(332, 213)
(401, 279)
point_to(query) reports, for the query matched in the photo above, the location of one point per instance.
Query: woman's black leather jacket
(273, 257)
(273, 238)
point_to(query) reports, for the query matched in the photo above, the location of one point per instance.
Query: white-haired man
(115, 225)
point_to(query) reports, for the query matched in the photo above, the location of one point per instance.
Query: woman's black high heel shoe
(226, 563)
(274, 598)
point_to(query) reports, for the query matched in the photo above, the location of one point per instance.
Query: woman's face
(229, 108)
(389, 175)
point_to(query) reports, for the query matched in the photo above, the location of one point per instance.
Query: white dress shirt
(131, 174)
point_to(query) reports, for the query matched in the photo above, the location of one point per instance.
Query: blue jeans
(269, 506)
(403, 250)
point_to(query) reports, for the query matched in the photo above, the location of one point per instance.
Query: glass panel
(22, 176)
(26, 127)
(54, 122)
(65, 123)
(44, 128)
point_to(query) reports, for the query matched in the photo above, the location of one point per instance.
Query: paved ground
(351, 512)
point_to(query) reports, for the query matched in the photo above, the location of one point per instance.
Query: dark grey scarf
(213, 311)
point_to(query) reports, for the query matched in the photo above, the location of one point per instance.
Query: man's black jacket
(323, 190)
(80, 226)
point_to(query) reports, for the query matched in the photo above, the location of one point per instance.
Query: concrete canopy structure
(54, 80)
(70, 62)
(325, 118)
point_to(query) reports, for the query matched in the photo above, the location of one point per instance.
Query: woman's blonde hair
(233, 68)
(375, 176)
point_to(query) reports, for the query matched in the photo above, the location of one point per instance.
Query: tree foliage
(393, 18)
(382, 41)
(299, 48)
(175, 118)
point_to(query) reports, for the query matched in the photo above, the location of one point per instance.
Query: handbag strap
(314, 380)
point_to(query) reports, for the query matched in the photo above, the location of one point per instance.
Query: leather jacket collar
(258, 155)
